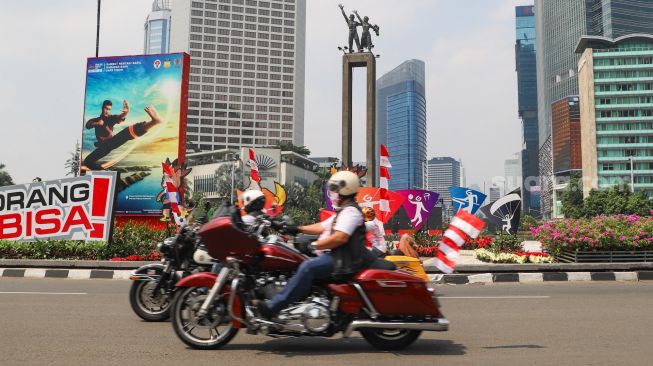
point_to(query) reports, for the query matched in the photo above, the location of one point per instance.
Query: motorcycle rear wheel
(390, 339)
(201, 332)
(149, 307)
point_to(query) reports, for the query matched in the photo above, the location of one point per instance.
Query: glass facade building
(616, 96)
(157, 28)
(559, 25)
(246, 85)
(525, 50)
(442, 173)
(401, 123)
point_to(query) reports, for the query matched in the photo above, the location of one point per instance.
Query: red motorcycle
(389, 308)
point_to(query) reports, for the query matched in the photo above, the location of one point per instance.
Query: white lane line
(42, 293)
(494, 297)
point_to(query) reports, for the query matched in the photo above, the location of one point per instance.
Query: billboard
(73, 208)
(135, 119)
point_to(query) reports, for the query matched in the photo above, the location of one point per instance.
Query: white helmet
(344, 183)
(251, 198)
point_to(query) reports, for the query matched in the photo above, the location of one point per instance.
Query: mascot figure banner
(134, 118)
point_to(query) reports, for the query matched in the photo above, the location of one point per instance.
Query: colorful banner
(506, 212)
(418, 204)
(466, 199)
(66, 209)
(135, 118)
(371, 197)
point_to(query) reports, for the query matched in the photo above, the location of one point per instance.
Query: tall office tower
(565, 146)
(157, 28)
(513, 173)
(616, 111)
(527, 103)
(401, 123)
(442, 173)
(247, 71)
(559, 26)
(494, 194)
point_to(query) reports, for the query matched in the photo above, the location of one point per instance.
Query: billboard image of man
(106, 140)
(134, 118)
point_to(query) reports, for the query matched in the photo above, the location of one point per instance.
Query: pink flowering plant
(616, 232)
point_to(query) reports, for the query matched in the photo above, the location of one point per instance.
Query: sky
(467, 46)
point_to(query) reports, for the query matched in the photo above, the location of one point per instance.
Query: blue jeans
(299, 285)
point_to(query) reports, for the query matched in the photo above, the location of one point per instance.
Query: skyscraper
(513, 173)
(559, 26)
(401, 122)
(616, 111)
(442, 173)
(247, 71)
(527, 92)
(157, 28)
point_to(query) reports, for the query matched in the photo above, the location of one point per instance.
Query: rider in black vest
(343, 235)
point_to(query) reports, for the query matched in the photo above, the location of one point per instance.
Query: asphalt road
(89, 322)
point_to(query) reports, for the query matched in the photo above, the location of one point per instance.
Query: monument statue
(353, 33)
(366, 37)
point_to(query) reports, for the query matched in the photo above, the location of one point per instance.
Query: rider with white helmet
(342, 234)
(253, 203)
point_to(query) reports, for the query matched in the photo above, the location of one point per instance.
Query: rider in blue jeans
(342, 234)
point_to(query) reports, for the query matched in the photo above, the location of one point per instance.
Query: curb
(541, 277)
(436, 279)
(71, 264)
(74, 274)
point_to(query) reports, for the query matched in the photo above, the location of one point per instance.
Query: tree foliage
(223, 180)
(615, 200)
(289, 146)
(5, 178)
(73, 163)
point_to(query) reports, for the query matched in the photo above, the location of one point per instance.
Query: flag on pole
(171, 192)
(253, 167)
(384, 177)
(463, 227)
(385, 157)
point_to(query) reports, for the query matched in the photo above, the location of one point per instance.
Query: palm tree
(5, 178)
(72, 164)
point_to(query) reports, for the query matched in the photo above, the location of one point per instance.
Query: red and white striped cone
(463, 227)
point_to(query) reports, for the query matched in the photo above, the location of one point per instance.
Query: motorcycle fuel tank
(277, 257)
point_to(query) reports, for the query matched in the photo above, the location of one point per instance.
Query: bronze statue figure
(366, 37)
(353, 33)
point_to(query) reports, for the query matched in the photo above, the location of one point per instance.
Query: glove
(289, 229)
(276, 225)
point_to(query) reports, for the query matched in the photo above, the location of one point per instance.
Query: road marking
(494, 297)
(42, 293)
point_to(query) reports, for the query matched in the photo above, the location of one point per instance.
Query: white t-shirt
(375, 233)
(348, 220)
(249, 220)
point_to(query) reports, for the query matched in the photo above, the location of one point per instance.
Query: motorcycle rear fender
(207, 279)
(148, 272)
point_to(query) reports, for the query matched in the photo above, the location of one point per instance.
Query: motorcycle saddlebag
(395, 293)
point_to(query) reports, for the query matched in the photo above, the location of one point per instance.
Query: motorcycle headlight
(165, 248)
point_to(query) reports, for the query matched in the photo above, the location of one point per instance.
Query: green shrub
(505, 243)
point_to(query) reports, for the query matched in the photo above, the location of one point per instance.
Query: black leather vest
(353, 256)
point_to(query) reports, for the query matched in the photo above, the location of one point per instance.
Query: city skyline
(452, 74)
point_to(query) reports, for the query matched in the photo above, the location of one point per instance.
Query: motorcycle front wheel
(148, 305)
(389, 339)
(210, 331)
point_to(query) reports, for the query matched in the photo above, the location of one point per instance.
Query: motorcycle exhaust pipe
(440, 325)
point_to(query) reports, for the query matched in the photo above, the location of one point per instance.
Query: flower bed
(518, 257)
(617, 232)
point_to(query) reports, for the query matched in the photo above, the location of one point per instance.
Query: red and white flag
(385, 157)
(384, 177)
(463, 227)
(253, 167)
(171, 192)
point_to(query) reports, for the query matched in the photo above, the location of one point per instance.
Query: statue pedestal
(349, 61)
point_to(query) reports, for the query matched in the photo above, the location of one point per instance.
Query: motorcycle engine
(311, 316)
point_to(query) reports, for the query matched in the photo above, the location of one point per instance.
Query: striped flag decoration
(171, 192)
(254, 167)
(384, 177)
(463, 227)
(385, 157)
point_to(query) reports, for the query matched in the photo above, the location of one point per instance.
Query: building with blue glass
(527, 103)
(157, 28)
(401, 123)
